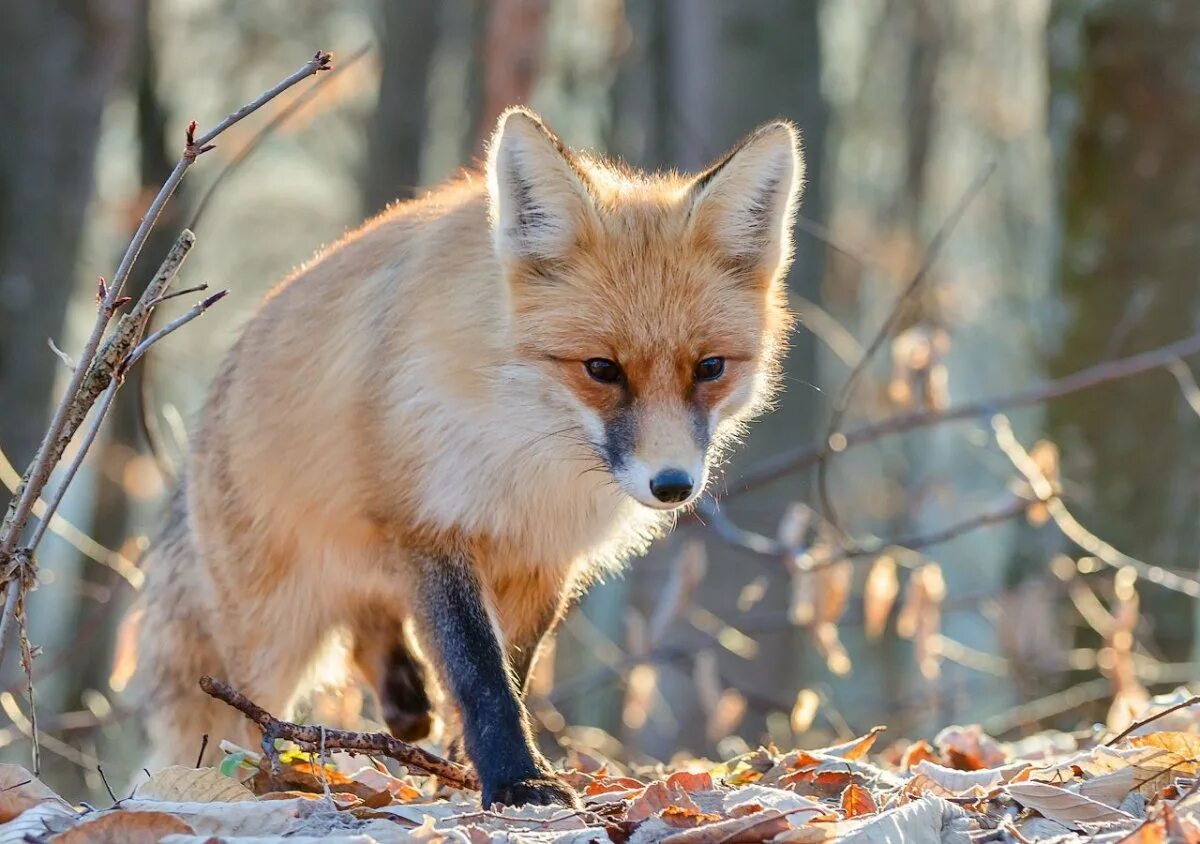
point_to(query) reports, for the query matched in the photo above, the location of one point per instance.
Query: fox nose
(671, 486)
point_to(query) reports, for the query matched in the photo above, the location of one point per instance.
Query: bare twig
(148, 423)
(1150, 719)
(842, 404)
(731, 534)
(97, 367)
(309, 738)
(71, 533)
(793, 460)
(1070, 526)
(1187, 384)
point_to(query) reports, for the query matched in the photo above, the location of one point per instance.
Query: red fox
(441, 430)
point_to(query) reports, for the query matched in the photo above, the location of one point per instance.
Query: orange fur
(419, 388)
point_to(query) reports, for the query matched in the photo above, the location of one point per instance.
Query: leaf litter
(964, 786)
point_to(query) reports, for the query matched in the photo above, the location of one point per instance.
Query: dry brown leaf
(604, 785)
(833, 583)
(1066, 807)
(879, 596)
(856, 801)
(969, 748)
(192, 785)
(124, 828)
(760, 826)
(655, 798)
(855, 749)
(813, 833)
(38, 821)
(684, 817)
(690, 781)
(804, 710)
(1184, 744)
(1151, 832)
(1147, 773)
(21, 790)
(837, 658)
(915, 753)
(962, 783)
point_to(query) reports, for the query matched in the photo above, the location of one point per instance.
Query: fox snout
(658, 459)
(672, 486)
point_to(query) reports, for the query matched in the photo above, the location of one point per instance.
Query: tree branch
(311, 739)
(793, 460)
(98, 367)
(842, 404)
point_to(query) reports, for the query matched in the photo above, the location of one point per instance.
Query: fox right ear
(538, 196)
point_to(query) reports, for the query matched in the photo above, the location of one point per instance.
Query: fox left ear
(747, 201)
(539, 198)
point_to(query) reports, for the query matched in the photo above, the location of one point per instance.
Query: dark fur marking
(495, 724)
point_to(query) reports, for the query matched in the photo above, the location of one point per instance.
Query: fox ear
(539, 198)
(746, 202)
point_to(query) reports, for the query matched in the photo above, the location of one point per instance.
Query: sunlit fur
(419, 386)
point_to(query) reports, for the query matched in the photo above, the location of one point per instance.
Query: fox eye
(710, 369)
(604, 370)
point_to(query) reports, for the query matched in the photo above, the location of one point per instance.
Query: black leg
(402, 696)
(495, 723)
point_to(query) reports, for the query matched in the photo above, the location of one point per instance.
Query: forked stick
(310, 739)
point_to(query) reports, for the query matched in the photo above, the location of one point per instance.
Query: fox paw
(545, 790)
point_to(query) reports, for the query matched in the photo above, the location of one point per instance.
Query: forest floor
(1139, 786)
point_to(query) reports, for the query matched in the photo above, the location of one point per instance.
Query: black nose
(671, 486)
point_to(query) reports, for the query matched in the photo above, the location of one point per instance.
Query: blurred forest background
(1080, 247)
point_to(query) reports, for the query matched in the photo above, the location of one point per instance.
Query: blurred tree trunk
(511, 58)
(1130, 258)
(408, 39)
(926, 95)
(63, 58)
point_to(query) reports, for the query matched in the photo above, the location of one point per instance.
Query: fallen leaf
(856, 801)
(690, 782)
(917, 752)
(760, 826)
(684, 817)
(969, 748)
(38, 821)
(855, 749)
(21, 790)
(656, 797)
(124, 828)
(959, 783)
(919, 821)
(1066, 807)
(1151, 832)
(1184, 744)
(192, 785)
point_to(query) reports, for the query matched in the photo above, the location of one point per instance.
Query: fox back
(450, 422)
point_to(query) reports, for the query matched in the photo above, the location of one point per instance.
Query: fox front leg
(495, 723)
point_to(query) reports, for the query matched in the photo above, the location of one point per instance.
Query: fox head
(653, 305)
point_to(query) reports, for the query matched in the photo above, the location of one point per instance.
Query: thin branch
(793, 460)
(96, 367)
(842, 403)
(1070, 526)
(731, 534)
(310, 739)
(270, 127)
(89, 437)
(1150, 719)
(72, 534)
(1187, 384)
